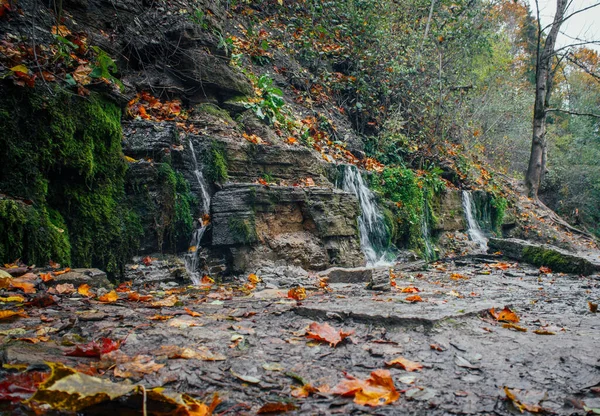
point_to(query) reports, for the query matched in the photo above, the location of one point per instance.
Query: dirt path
(250, 346)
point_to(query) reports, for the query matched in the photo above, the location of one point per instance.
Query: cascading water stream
(191, 258)
(474, 230)
(374, 238)
(429, 250)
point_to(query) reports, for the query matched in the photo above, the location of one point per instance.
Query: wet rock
(283, 276)
(342, 275)
(380, 280)
(148, 139)
(96, 278)
(449, 212)
(167, 268)
(310, 227)
(557, 259)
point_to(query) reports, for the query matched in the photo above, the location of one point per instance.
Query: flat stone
(351, 275)
(96, 278)
(556, 259)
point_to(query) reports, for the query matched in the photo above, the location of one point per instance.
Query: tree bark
(543, 88)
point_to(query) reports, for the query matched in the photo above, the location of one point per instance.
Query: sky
(585, 25)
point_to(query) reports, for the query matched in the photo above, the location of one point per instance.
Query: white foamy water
(473, 230)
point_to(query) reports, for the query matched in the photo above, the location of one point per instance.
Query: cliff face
(111, 111)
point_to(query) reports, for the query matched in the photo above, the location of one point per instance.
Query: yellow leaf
(10, 314)
(84, 290)
(20, 68)
(130, 159)
(110, 297)
(15, 298)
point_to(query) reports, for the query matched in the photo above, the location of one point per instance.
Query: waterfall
(192, 257)
(374, 237)
(474, 230)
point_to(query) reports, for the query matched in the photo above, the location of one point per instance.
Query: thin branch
(573, 113)
(569, 16)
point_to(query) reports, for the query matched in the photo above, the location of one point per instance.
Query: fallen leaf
(520, 405)
(166, 302)
(69, 390)
(14, 298)
(18, 387)
(545, 270)
(505, 315)
(66, 270)
(516, 327)
(304, 391)
(327, 333)
(191, 312)
(84, 290)
(160, 317)
(276, 407)
(137, 367)
(457, 276)
(46, 277)
(410, 289)
(297, 293)
(404, 364)
(377, 390)
(543, 332)
(187, 353)
(414, 298)
(109, 297)
(94, 349)
(593, 307)
(7, 314)
(252, 278)
(124, 287)
(26, 287)
(246, 378)
(136, 297)
(148, 260)
(65, 289)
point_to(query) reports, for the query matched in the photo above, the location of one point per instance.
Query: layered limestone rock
(313, 227)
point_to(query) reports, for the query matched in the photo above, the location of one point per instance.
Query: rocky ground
(247, 342)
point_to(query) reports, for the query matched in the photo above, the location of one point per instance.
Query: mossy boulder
(556, 259)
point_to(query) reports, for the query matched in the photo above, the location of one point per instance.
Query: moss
(31, 233)
(214, 110)
(242, 229)
(216, 167)
(556, 261)
(499, 205)
(63, 152)
(175, 220)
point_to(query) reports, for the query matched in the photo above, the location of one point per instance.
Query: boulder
(96, 278)
(313, 228)
(348, 275)
(556, 259)
(449, 212)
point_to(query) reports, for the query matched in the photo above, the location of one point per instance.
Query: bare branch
(573, 113)
(569, 16)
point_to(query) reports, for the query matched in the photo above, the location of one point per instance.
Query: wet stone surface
(254, 345)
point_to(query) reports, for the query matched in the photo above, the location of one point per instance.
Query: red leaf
(94, 349)
(18, 387)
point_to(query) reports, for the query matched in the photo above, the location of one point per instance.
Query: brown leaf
(377, 390)
(520, 405)
(46, 277)
(276, 407)
(166, 302)
(516, 327)
(136, 297)
(414, 298)
(593, 307)
(327, 333)
(191, 312)
(65, 289)
(504, 315)
(404, 364)
(543, 332)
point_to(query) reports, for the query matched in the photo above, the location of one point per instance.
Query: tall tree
(547, 63)
(544, 77)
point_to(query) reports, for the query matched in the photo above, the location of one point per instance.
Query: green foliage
(64, 154)
(216, 165)
(270, 107)
(32, 233)
(199, 17)
(105, 67)
(242, 230)
(175, 220)
(499, 205)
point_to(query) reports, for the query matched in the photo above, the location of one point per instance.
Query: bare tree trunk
(543, 88)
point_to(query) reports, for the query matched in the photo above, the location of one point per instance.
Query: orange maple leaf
(377, 390)
(327, 333)
(404, 364)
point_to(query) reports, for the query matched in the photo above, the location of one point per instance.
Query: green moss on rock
(216, 166)
(63, 152)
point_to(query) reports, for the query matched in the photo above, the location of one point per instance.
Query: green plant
(216, 167)
(199, 17)
(267, 177)
(499, 205)
(105, 67)
(270, 105)
(242, 230)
